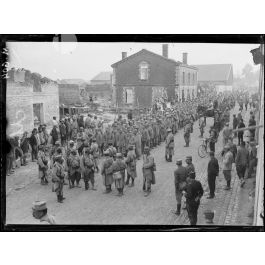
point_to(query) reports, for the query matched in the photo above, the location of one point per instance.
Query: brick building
(30, 100)
(145, 76)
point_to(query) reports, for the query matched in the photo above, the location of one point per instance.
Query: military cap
(71, 142)
(39, 206)
(130, 147)
(57, 143)
(119, 155)
(227, 146)
(189, 157)
(58, 157)
(168, 130)
(227, 124)
(179, 162)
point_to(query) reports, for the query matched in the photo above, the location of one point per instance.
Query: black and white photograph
(148, 132)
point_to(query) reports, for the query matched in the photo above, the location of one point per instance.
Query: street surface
(94, 207)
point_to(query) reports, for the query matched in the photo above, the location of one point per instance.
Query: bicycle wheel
(202, 152)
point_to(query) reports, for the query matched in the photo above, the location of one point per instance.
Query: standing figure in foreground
(241, 161)
(213, 172)
(58, 174)
(40, 212)
(73, 164)
(43, 165)
(118, 168)
(148, 171)
(227, 166)
(187, 131)
(131, 166)
(193, 193)
(106, 171)
(180, 176)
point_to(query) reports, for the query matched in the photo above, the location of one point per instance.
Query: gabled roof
(213, 72)
(142, 52)
(102, 76)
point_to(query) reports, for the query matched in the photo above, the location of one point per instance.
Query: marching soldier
(169, 146)
(88, 168)
(112, 151)
(190, 168)
(131, 166)
(43, 165)
(201, 125)
(187, 131)
(58, 174)
(118, 168)
(227, 134)
(73, 163)
(95, 153)
(106, 171)
(193, 193)
(180, 175)
(148, 171)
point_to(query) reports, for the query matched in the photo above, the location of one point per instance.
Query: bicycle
(203, 149)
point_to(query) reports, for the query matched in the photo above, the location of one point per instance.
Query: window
(129, 96)
(188, 78)
(143, 71)
(183, 78)
(38, 113)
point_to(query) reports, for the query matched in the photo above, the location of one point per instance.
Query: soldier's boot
(170, 158)
(166, 158)
(178, 209)
(144, 186)
(46, 180)
(77, 184)
(59, 199)
(147, 192)
(42, 181)
(86, 185)
(132, 184)
(127, 180)
(62, 197)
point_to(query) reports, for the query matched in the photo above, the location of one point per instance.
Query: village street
(94, 207)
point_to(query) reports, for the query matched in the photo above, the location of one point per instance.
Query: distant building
(31, 100)
(102, 78)
(142, 78)
(219, 76)
(98, 92)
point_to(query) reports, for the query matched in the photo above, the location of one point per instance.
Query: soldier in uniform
(73, 163)
(95, 153)
(106, 171)
(58, 174)
(131, 166)
(180, 176)
(40, 212)
(112, 150)
(227, 166)
(169, 146)
(193, 193)
(190, 167)
(227, 134)
(187, 131)
(118, 169)
(201, 125)
(148, 171)
(43, 165)
(88, 168)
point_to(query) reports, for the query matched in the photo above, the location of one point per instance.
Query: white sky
(85, 60)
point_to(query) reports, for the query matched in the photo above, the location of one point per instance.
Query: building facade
(30, 100)
(140, 79)
(218, 76)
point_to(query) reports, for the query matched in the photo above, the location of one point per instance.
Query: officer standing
(193, 193)
(190, 168)
(169, 146)
(58, 177)
(213, 172)
(180, 176)
(148, 171)
(131, 166)
(106, 171)
(187, 131)
(73, 163)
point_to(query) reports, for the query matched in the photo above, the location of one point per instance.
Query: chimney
(123, 55)
(185, 57)
(165, 50)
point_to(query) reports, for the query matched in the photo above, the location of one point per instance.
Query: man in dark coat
(235, 123)
(193, 194)
(240, 133)
(241, 161)
(34, 145)
(213, 172)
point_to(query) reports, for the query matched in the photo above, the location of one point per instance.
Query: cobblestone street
(94, 207)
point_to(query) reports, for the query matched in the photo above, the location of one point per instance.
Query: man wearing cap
(201, 125)
(58, 174)
(131, 166)
(180, 176)
(241, 161)
(112, 150)
(43, 165)
(118, 169)
(190, 167)
(95, 153)
(54, 151)
(213, 172)
(106, 171)
(193, 192)
(145, 138)
(88, 168)
(240, 133)
(148, 171)
(24, 144)
(187, 131)
(73, 164)
(40, 212)
(227, 166)
(169, 152)
(253, 160)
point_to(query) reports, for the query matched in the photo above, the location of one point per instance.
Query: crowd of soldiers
(72, 149)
